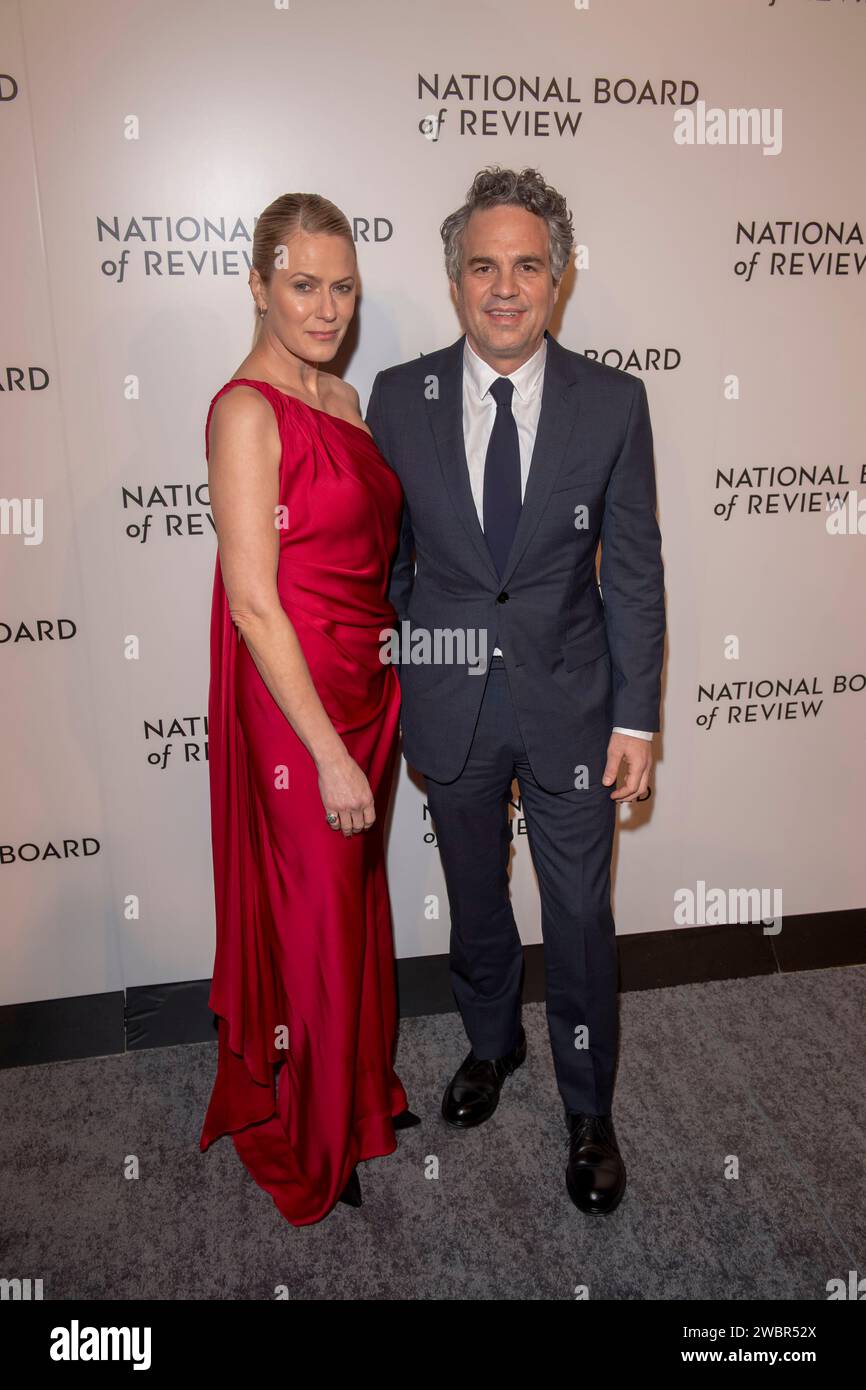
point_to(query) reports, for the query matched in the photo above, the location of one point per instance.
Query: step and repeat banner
(712, 155)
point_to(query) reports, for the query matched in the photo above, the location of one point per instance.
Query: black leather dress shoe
(595, 1176)
(473, 1094)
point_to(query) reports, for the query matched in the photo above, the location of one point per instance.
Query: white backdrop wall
(140, 140)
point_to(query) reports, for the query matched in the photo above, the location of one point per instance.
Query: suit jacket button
(502, 598)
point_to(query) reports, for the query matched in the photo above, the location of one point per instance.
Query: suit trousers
(570, 840)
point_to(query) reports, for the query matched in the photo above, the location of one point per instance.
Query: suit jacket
(579, 659)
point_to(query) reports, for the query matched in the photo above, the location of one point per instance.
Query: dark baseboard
(97, 1025)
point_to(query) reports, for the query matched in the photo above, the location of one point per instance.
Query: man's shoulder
(589, 371)
(612, 382)
(417, 369)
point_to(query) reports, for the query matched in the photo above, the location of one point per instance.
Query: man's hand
(638, 755)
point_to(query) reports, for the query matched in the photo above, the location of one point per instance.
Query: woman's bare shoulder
(243, 416)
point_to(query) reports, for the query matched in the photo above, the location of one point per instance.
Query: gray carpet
(769, 1069)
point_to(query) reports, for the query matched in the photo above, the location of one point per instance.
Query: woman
(302, 719)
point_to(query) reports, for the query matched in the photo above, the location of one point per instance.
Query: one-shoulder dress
(303, 981)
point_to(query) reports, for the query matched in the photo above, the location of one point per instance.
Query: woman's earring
(263, 311)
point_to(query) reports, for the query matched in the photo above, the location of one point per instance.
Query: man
(517, 457)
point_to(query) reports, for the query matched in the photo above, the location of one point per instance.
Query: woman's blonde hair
(286, 215)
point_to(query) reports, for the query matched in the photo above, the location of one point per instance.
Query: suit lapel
(446, 419)
(555, 425)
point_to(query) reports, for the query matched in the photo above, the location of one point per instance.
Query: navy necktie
(502, 495)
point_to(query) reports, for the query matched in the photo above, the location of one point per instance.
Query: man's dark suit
(577, 661)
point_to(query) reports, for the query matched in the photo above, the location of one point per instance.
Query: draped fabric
(303, 980)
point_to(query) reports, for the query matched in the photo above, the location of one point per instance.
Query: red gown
(303, 917)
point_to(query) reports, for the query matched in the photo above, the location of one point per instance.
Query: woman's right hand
(344, 788)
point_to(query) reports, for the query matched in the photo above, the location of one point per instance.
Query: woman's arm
(243, 474)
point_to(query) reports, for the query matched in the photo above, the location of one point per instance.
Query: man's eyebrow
(488, 260)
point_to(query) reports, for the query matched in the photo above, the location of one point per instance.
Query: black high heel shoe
(351, 1193)
(405, 1120)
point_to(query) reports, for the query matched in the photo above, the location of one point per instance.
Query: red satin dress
(303, 981)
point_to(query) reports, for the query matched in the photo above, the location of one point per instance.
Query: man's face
(506, 293)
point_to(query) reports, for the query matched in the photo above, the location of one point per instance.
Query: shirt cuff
(635, 733)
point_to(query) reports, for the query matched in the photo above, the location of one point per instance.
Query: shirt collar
(526, 379)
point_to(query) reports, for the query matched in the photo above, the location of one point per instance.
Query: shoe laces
(476, 1067)
(601, 1125)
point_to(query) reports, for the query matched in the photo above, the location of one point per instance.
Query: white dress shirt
(479, 413)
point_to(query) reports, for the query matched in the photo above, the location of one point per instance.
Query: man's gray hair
(495, 187)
